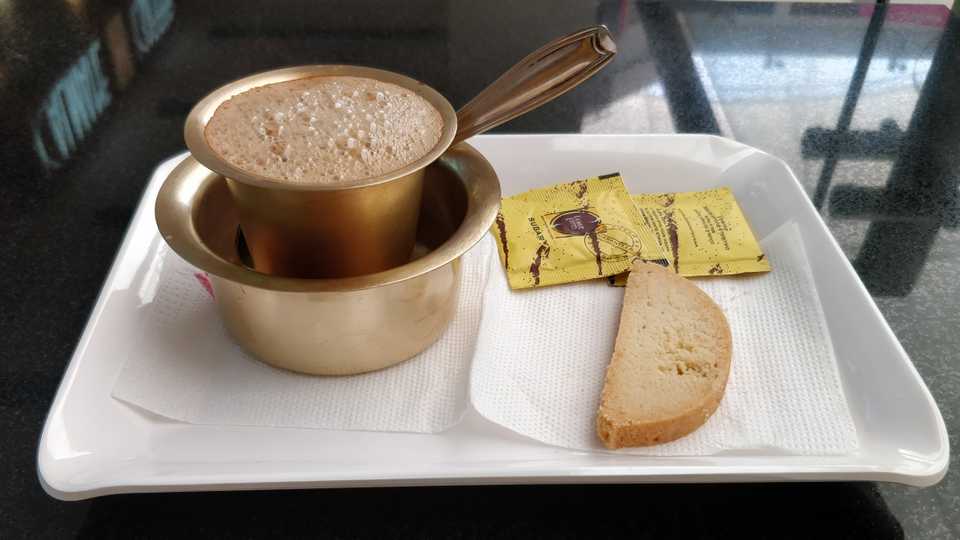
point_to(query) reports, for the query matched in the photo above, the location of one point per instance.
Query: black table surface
(862, 101)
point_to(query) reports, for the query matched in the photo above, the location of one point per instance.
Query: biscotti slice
(670, 361)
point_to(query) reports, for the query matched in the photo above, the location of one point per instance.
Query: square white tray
(93, 445)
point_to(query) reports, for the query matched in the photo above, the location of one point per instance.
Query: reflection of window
(149, 19)
(70, 109)
(752, 77)
(117, 40)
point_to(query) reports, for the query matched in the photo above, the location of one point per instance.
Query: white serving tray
(93, 445)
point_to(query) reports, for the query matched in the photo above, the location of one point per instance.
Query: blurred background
(861, 100)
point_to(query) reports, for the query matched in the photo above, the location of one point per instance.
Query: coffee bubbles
(324, 130)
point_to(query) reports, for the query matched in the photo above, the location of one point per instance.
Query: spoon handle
(543, 75)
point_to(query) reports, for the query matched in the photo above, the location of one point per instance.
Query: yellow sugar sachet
(569, 232)
(704, 233)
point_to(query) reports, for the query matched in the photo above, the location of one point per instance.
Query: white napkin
(188, 369)
(542, 354)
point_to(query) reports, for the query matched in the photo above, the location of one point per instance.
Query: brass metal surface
(369, 225)
(335, 326)
(541, 76)
(328, 230)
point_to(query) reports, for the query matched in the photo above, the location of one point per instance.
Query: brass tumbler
(323, 231)
(335, 326)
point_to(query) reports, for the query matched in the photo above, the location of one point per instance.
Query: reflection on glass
(118, 46)
(78, 7)
(644, 110)
(70, 109)
(750, 77)
(149, 19)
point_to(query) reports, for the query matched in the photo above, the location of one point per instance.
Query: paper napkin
(188, 369)
(542, 354)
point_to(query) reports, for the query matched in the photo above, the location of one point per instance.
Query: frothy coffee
(324, 130)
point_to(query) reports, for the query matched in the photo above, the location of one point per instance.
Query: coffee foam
(324, 130)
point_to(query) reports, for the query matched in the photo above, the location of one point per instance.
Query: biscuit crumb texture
(670, 362)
